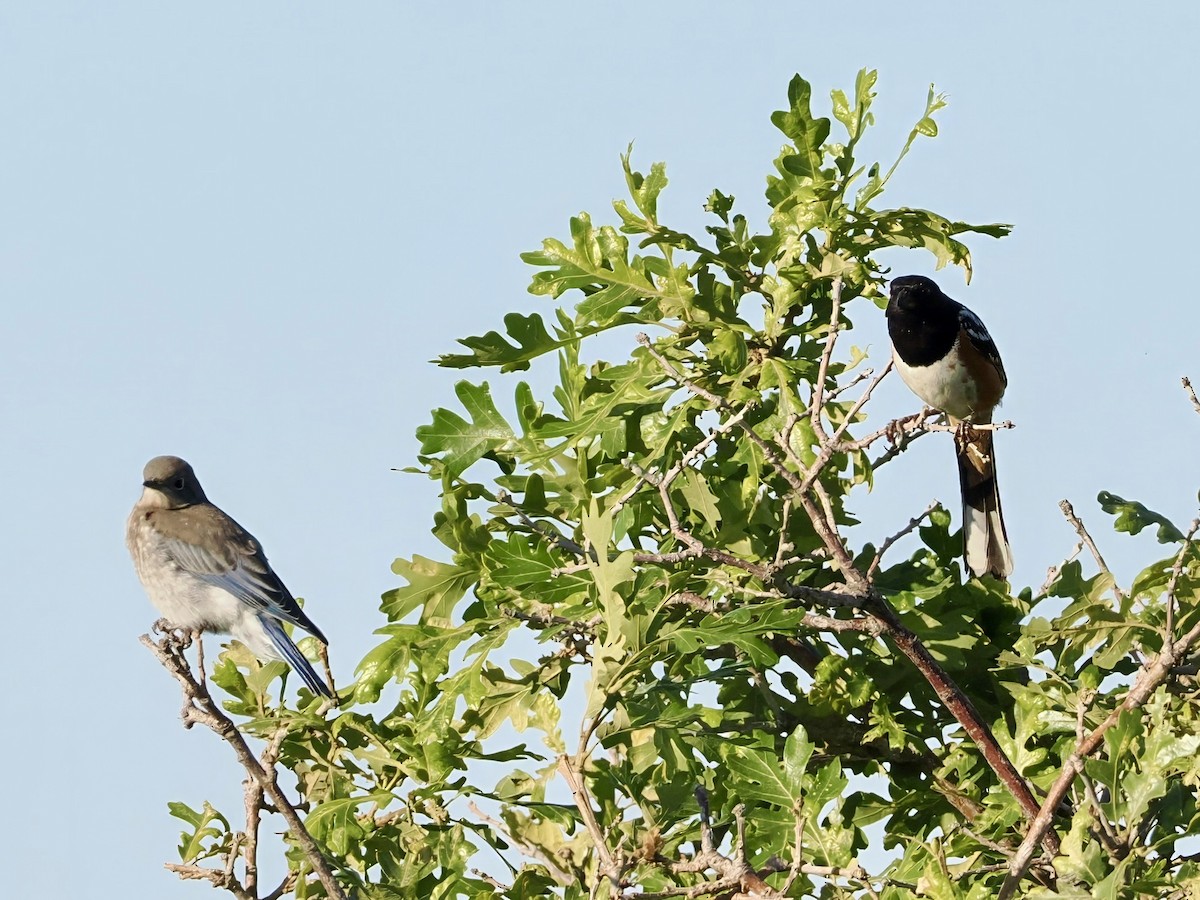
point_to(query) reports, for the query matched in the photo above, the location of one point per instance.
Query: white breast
(944, 385)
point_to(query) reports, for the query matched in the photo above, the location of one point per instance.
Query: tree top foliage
(650, 662)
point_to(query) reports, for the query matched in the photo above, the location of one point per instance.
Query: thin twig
(673, 371)
(818, 395)
(1081, 530)
(797, 847)
(907, 428)
(986, 841)
(912, 525)
(784, 544)
(488, 879)
(1054, 571)
(1115, 847)
(852, 413)
(285, 887)
(842, 388)
(563, 542)
(323, 653)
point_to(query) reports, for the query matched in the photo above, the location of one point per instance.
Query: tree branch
(817, 404)
(200, 708)
(609, 866)
(912, 525)
(737, 878)
(1081, 530)
(218, 878)
(1152, 674)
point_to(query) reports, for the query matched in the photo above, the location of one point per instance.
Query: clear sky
(237, 232)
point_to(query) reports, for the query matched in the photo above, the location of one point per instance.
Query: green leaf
(937, 234)
(607, 573)
(465, 442)
(1132, 517)
(599, 264)
(335, 822)
(805, 131)
(208, 834)
(797, 751)
(644, 189)
(531, 569)
(530, 339)
(761, 778)
(433, 587)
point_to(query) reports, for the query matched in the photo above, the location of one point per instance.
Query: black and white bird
(945, 355)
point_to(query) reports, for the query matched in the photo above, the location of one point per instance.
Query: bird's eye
(177, 484)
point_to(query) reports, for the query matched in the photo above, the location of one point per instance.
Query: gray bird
(204, 572)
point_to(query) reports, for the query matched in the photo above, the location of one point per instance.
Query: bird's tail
(985, 541)
(291, 653)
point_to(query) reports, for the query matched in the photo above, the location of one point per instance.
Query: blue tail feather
(291, 653)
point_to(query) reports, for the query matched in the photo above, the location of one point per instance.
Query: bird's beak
(148, 484)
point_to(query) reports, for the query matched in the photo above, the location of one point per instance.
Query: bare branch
(912, 525)
(218, 878)
(200, 708)
(608, 865)
(1081, 530)
(818, 396)
(1191, 392)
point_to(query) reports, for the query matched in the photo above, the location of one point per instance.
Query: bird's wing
(974, 329)
(219, 551)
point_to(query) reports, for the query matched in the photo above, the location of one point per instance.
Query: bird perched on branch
(946, 356)
(205, 572)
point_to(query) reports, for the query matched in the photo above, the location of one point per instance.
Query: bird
(205, 572)
(946, 356)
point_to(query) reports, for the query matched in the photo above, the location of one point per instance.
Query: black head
(174, 479)
(910, 293)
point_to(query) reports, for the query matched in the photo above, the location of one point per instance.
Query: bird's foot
(893, 431)
(964, 433)
(173, 635)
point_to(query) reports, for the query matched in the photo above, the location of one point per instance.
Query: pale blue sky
(237, 232)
